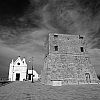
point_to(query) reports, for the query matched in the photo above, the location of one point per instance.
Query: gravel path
(37, 91)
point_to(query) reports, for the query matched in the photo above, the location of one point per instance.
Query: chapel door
(17, 76)
(29, 76)
(87, 75)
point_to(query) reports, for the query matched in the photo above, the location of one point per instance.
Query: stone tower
(67, 61)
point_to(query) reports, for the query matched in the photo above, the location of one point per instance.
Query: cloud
(75, 17)
(6, 54)
(94, 55)
(33, 46)
(59, 16)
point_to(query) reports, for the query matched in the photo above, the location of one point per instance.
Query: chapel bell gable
(24, 62)
(18, 62)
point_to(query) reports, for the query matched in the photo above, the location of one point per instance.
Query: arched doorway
(87, 76)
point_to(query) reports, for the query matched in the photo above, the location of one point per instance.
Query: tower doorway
(87, 75)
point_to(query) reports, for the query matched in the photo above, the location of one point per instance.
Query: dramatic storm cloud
(25, 25)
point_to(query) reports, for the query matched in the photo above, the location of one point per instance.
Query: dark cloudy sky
(25, 24)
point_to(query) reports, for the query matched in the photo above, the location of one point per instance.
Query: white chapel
(18, 71)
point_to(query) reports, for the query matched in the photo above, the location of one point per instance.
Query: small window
(33, 75)
(82, 50)
(56, 48)
(67, 38)
(55, 36)
(18, 63)
(80, 37)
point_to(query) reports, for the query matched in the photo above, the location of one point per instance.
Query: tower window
(82, 50)
(55, 36)
(56, 48)
(67, 38)
(80, 37)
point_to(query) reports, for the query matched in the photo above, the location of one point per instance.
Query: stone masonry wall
(67, 61)
(67, 44)
(62, 67)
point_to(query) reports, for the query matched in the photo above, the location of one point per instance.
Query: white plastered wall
(36, 76)
(21, 69)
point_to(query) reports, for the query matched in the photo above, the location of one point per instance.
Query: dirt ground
(37, 91)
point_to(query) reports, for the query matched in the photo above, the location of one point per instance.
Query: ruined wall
(66, 61)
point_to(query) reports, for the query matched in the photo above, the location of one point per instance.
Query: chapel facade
(67, 61)
(18, 71)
